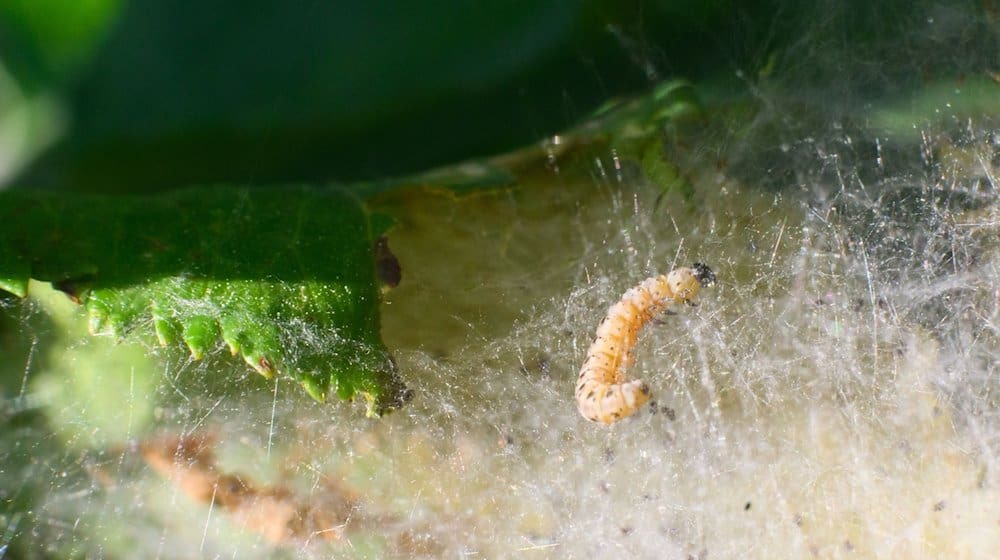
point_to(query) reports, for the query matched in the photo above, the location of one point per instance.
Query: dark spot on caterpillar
(626, 531)
(386, 264)
(797, 519)
(746, 507)
(939, 506)
(609, 455)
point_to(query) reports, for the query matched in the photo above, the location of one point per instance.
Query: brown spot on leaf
(265, 365)
(73, 288)
(386, 264)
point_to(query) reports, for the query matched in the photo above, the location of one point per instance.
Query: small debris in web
(274, 511)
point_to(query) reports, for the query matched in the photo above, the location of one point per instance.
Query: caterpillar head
(685, 283)
(704, 274)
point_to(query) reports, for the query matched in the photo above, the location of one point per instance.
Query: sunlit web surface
(834, 394)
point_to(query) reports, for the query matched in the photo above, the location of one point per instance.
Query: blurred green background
(152, 94)
(116, 95)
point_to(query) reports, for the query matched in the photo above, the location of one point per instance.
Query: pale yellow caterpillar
(602, 394)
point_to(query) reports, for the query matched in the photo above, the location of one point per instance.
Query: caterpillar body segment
(602, 392)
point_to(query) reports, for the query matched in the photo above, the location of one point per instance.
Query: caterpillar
(602, 393)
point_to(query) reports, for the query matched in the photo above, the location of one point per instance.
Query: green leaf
(284, 277)
(663, 172)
